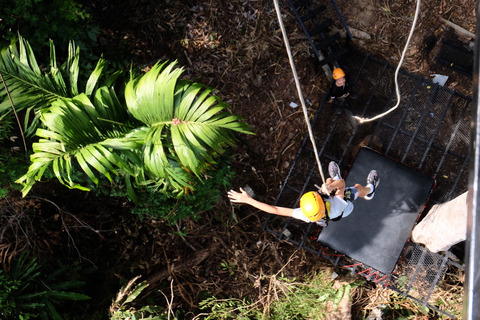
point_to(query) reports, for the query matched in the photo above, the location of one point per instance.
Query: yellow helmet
(312, 205)
(338, 73)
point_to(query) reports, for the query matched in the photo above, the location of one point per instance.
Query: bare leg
(331, 185)
(362, 190)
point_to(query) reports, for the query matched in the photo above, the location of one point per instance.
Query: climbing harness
(397, 89)
(299, 89)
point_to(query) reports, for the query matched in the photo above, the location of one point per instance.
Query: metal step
(334, 56)
(300, 3)
(319, 28)
(327, 41)
(313, 13)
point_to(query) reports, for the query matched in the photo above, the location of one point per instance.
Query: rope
(397, 89)
(299, 89)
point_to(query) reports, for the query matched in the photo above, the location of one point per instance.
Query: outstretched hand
(238, 197)
(327, 189)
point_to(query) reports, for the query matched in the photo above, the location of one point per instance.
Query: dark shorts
(350, 194)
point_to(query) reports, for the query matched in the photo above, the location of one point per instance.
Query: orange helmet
(338, 73)
(312, 205)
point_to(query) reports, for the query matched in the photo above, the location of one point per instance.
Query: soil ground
(237, 47)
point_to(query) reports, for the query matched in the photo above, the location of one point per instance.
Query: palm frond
(166, 134)
(75, 131)
(150, 97)
(159, 167)
(28, 85)
(33, 88)
(183, 115)
(72, 68)
(205, 126)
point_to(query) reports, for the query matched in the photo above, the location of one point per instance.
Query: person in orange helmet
(333, 201)
(340, 90)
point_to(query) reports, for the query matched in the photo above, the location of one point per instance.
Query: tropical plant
(285, 299)
(164, 134)
(33, 89)
(160, 206)
(26, 292)
(121, 308)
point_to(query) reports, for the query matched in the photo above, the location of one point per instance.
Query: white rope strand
(299, 89)
(397, 89)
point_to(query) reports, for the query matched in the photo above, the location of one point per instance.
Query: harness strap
(347, 196)
(327, 210)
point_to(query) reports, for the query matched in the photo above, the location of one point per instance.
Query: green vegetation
(27, 291)
(41, 20)
(159, 206)
(122, 309)
(400, 307)
(12, 168)
(160, 132)
(286, 299)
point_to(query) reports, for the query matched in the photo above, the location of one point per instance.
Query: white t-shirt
(337, 206)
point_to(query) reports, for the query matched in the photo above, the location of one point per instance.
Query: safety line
(397, 89)
(299, 89)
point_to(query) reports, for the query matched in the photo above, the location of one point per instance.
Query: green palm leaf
(150, 97)
(75, 132)
(163, 136)
(27, 83)
(33, 89)
(182, 115)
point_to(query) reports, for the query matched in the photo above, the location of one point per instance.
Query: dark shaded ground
(237, 48)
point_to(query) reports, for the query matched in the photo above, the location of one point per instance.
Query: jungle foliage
(41, 20)
(27, 291)
(155, 130)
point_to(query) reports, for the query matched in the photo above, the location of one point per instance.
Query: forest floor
(237, 47)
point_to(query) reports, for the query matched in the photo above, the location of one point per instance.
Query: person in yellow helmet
(340, 90)
(333, 201)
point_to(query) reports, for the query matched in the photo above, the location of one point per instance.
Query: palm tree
(164, 134)
(33, 89)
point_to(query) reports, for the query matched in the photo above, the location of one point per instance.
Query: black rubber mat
(376, 231)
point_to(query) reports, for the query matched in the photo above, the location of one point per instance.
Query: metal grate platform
(428, 132)
(422, 272)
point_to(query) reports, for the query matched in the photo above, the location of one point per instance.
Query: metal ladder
(309, 13)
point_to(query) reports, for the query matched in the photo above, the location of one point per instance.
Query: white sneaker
(374, 180)
(334, 170)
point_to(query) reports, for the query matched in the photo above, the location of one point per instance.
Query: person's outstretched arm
(243, 197)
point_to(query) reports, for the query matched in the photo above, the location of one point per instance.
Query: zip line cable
(397, 89)
(299, 89)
